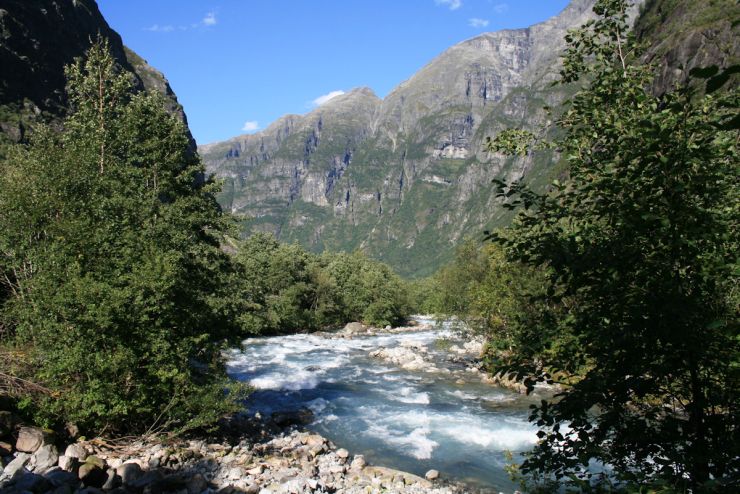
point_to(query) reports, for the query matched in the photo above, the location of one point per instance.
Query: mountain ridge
(404, 177)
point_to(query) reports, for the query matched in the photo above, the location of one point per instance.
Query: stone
(61, 477)
(16, 465)
(96, 460)
(256, 470)
(148, 478)
(31, 438)
(343, 453)
(76, 451)
(92, 475)
(31, 482)
(67, 463)
(431, 475)
(235, 473)
(112, 481)
(358, 462)
(353, 328)
(45, 458)
(129, 472)
(196, 484)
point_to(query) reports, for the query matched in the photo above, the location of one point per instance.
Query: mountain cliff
(38, 38)
(406, 177)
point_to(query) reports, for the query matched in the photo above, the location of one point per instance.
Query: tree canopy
(640, 245)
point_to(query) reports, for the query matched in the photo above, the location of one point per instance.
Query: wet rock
(297, 417)
(431, 475)
(31, 438)
(354, 328)
(45, 458)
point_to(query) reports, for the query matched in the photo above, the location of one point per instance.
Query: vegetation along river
(432, 415)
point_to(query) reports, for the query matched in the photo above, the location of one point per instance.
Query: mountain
(404, 178)
(37, 39)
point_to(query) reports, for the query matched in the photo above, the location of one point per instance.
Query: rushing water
(412, 421)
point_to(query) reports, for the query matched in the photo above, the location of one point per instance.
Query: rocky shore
(256, 460)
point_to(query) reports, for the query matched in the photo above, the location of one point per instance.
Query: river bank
(414, 398)
(330, 411)
(253, 455)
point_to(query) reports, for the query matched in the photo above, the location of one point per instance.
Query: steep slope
(407, 177)
(683, 34)
(37, 39)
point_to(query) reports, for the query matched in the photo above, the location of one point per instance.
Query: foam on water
(408, 420)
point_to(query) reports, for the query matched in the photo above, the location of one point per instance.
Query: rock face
(37, 40)
(406, 177)
(684, 34)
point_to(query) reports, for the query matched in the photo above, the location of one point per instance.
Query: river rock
(353, 328)
(45, 458)
(358, 462)
(92, 474)
(129, 472)
(67, 463)
(16, 465)
(76, 451)
(431, 475)
(31, 438)
(112, 481)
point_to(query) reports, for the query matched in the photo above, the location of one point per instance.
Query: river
(446, 420)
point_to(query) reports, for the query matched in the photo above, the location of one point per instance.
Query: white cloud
(209, 19)
(156, 28)
(500, 8)
(475, 22)
(452, 4)
(326, 97)
(250, 126)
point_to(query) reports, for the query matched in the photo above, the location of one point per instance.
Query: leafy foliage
(288, 289)
(109, 238)
(640, 247)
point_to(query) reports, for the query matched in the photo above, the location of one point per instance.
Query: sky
(238, 65)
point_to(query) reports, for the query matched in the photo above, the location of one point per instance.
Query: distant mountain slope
(37, 39)
(407, 177)
(404, 178)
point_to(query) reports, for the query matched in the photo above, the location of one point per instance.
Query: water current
(413, 421)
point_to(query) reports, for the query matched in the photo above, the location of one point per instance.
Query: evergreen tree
(640, 244)
(111, 237)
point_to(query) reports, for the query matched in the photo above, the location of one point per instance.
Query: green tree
(640, 245)
(111, 237)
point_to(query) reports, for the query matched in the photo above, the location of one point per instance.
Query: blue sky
(237, 65)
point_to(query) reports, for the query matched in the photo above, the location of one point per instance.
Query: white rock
(18, 463)
(432, 475)
(45, 458)
(77, 451)
(67, 463)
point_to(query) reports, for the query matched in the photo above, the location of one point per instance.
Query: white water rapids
(412, 421)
